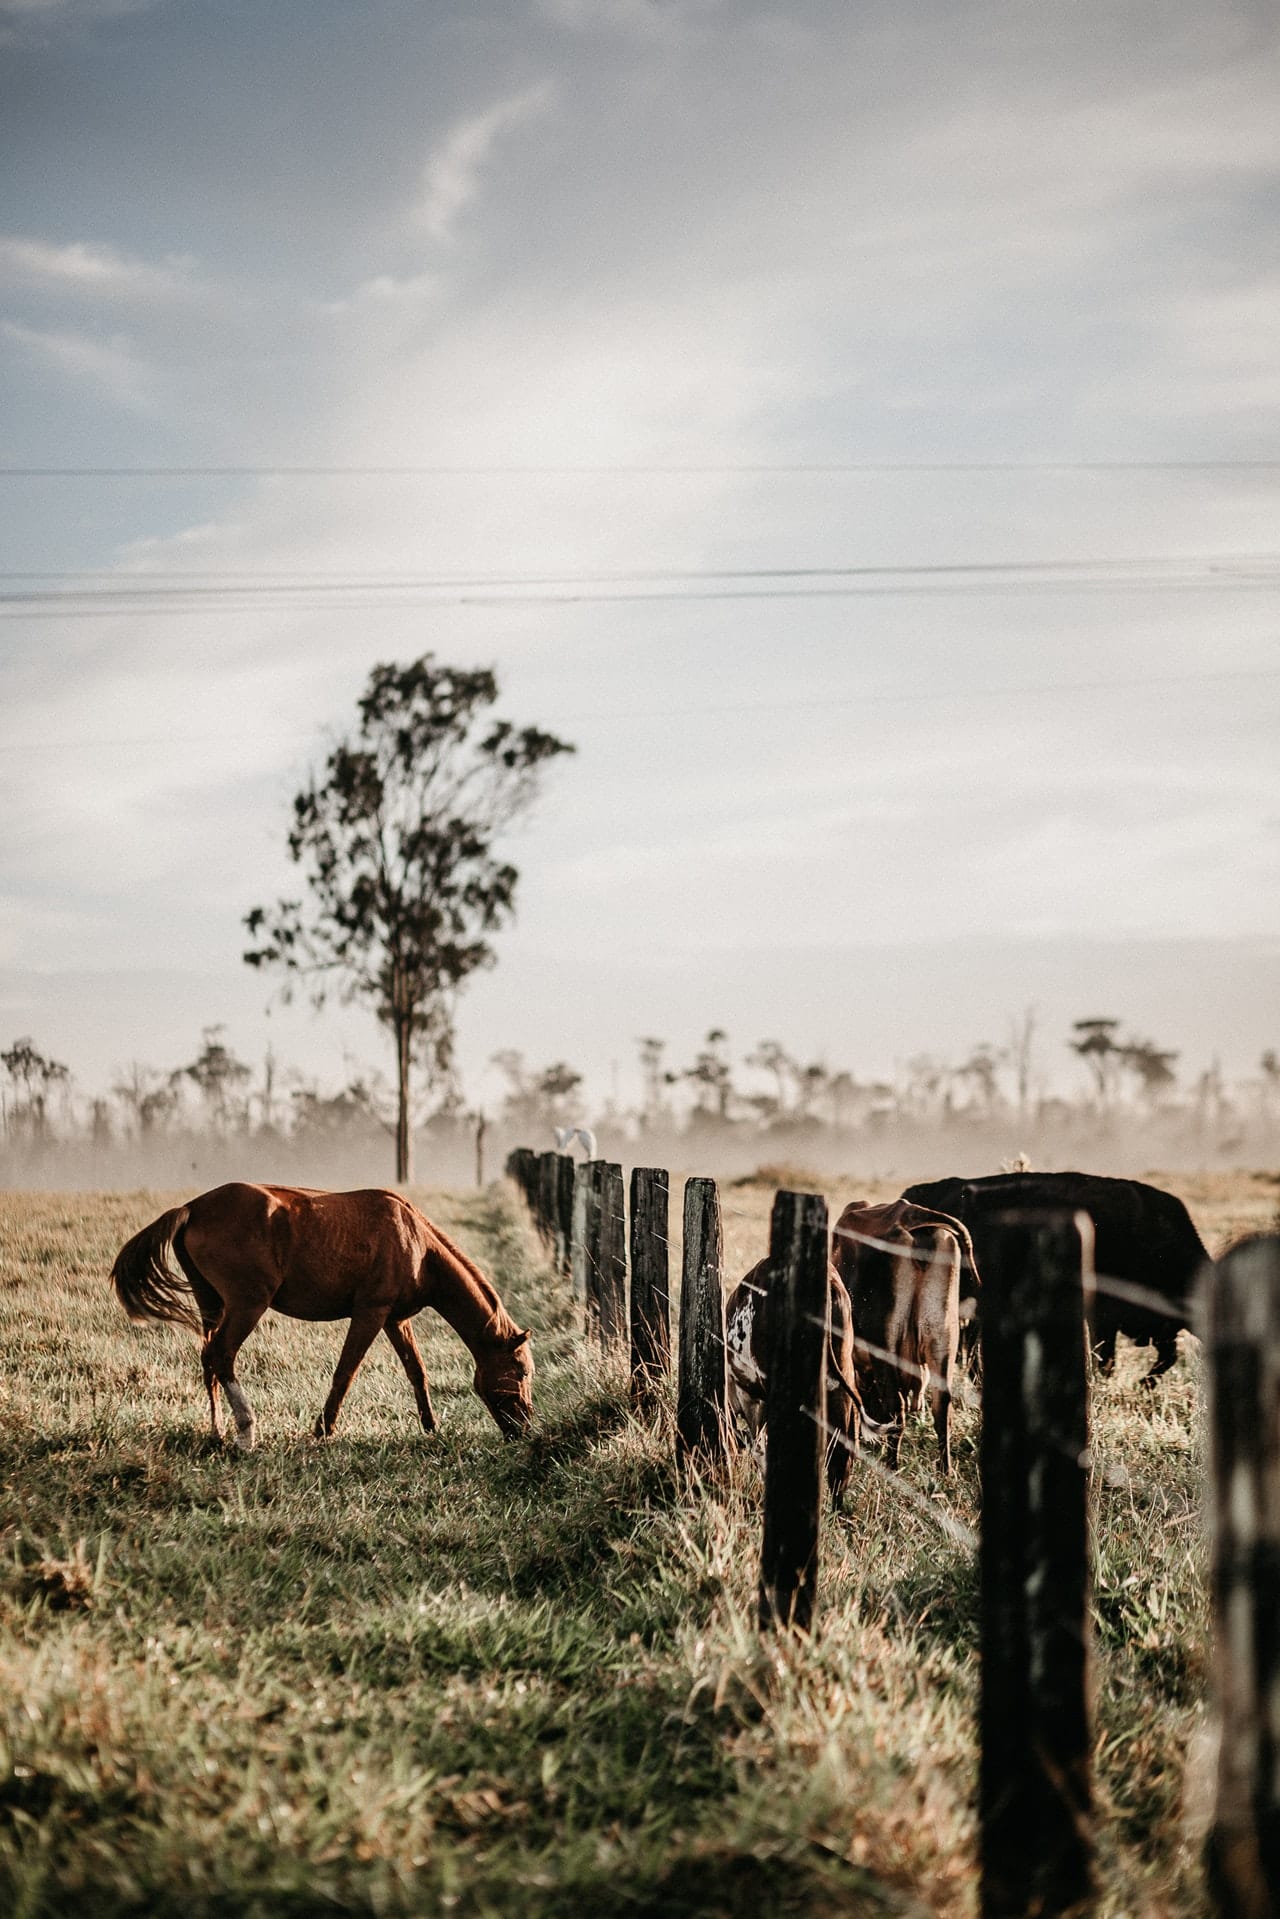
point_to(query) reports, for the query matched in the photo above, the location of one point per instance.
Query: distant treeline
(218, 1117)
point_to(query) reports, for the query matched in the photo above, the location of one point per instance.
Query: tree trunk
(404, 1137)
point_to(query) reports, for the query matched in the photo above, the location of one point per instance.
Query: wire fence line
(1036, 1465)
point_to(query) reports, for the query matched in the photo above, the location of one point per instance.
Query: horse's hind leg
(220, 1363)
(400, 1333)
(211, 1311)
(361, 1333)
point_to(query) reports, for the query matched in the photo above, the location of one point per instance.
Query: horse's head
(504, 1380)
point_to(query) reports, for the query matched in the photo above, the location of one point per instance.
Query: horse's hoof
(246, 1438)
(320, 1430)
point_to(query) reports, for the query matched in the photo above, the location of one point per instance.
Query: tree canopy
(397, 844)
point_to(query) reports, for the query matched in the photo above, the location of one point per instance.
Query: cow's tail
(145, 1281)
(968, 1258)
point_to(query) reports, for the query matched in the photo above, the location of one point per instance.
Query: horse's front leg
(361, 1333)
(400, 1333)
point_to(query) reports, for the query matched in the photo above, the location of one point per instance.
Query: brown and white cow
(748, 1363)
(901, 1267)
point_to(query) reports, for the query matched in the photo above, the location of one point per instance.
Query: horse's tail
(146, 1284)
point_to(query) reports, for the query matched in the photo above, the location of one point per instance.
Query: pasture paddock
(390, 1674)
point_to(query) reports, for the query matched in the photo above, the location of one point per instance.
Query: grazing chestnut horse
(369, 1257)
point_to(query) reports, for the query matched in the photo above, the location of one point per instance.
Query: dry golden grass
(392, 1674)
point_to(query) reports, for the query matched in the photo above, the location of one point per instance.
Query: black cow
(1143, 1239)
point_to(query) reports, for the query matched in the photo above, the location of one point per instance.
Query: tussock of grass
(392, 1674)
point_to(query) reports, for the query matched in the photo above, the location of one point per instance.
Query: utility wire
(193, 583)
(55, 606)
(463, 469)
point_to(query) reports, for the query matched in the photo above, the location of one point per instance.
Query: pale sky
(855, 428)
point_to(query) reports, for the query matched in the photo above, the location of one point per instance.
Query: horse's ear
(517, 1340)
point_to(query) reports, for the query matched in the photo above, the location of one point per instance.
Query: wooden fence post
(578, 1238)
(611, 1263)
(1035, 1792)
(650, 1282)
(796, 1330)
(586, 1243)
(702, 1388)
(1241, 1304)
(547, 1195)
(565, 1187)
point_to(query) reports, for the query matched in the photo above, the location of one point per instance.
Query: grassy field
(390, 1675)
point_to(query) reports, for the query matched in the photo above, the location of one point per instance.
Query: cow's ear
(517, 1340)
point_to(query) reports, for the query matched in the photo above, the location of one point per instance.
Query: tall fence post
(650, 1282)
(517, 1169)
(702, 1388)
(565, 1187)
(796, 1331)
(547, 1209)
(611, 1259)
(586, 1243)
(1035, 1790)
(1241, 1305)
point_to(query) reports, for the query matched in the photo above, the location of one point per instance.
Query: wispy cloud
(451, 177)
(43, 10)
(96, 272)
(650, 19)
(111, 366)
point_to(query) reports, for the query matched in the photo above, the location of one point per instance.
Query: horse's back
(313, 1253)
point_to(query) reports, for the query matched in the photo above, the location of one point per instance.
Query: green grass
(392, 1674)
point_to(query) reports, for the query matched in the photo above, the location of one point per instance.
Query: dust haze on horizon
(857, 434)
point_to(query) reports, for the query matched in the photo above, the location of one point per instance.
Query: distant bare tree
(653, 1079)
(712, 1077)
(982, 1072)
(537, 1101)
(1102, 1053)
(33, 1076)
(1270, 1065)
(927, 1089)
(1021, 1054)
(773, 1058)
(1151, 1066)
(218, 1075)
(149, 1098)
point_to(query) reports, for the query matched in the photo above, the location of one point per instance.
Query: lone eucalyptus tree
(396, 842)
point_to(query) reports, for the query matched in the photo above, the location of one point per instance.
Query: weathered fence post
(796, 1330)
(586, 1243)
(1035, 1791)
(578, 1238)
(1241, 1305)
(518, 1169)
(566, 1171)
(611, 1259)
(650, 1282)
(702, 1388)
(547, 1196)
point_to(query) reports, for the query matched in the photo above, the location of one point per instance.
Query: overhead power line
(143, 597)
(193, 581)
(498, 470)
